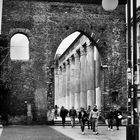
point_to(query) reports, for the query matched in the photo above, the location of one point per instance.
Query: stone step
(58, 122)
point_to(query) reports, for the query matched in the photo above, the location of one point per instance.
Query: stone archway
(77, 74)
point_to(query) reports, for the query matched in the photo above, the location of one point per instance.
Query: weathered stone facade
(46, 24)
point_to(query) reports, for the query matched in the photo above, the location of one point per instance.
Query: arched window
(19, 47)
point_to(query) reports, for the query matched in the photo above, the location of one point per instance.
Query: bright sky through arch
(67, 42)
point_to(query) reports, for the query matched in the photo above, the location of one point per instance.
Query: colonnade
(77, 78)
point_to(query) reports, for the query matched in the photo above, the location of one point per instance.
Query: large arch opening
(77, 72)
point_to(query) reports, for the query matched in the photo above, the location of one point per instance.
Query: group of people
(89, 116)
(111, 116)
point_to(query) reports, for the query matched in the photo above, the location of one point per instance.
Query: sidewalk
(104, 134)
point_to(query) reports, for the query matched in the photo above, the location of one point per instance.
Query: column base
(98, 98)
(90, 96)
(77, 101)
(83, 100)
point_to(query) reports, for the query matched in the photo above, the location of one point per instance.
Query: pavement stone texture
(39, 132)
(104, 133)
(44, 132)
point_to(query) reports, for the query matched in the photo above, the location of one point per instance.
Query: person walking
(63, 114)
(118, 117)
(110, 118)
(94, 116)
(55, 111)
(89, 121)
(82, 118)
(73, 115)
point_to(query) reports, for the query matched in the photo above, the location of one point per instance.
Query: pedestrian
(89, 121)
(55, 111)
(94, 116)
(63, 114)
(118, 118)
(110, 118)
(82, 118)
(73, 115)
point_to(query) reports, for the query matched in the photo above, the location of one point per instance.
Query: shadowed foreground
(31, 133)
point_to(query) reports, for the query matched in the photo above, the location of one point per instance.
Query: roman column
(83, 92)
(63, 85)
(60, 87)
(67, 84)
(71, 81)
(77, 79)
(56, 85)
(90, 75)
(98, 79)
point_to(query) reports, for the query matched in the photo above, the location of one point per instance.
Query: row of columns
(77, 79)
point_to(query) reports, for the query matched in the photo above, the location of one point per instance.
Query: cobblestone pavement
(104, 134)
(41, 132)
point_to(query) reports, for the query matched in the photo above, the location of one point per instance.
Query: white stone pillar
(90, 75)
(60, 87)
(67, 84)
(98, 79)
(77, 80)
(83, 74)
(56, 85)
(63, 85)
(71, 81)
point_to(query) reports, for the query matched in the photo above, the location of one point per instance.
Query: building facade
(29, 82)
(78, 75)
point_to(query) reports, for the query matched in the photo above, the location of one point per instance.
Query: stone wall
(46, 24)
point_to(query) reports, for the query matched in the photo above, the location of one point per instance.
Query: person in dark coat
(55, 111)
(118, 117)
(63, 114)
(82, 118)
(73, 115)
(89, 121)
(110, 118)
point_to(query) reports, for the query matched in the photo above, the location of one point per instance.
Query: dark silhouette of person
(82, 118)
(55, 111)
(110, 118)
(63, 114)
(89, 121)
(117, 114)
(73, 115)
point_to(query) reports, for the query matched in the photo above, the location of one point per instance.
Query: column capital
(63, 67)
(89, 47)
(88, 43)
(71, 60)
(67, 62)
(76, 54)
(60, 70)
(82, 50)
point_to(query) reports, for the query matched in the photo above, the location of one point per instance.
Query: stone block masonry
(46, 24)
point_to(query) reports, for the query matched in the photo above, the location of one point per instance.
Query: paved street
(104, 134)
(43, 132)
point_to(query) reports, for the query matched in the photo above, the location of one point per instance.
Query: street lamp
(109, 5)
(132, 131)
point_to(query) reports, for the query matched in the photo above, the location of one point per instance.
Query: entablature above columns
(79, 48)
